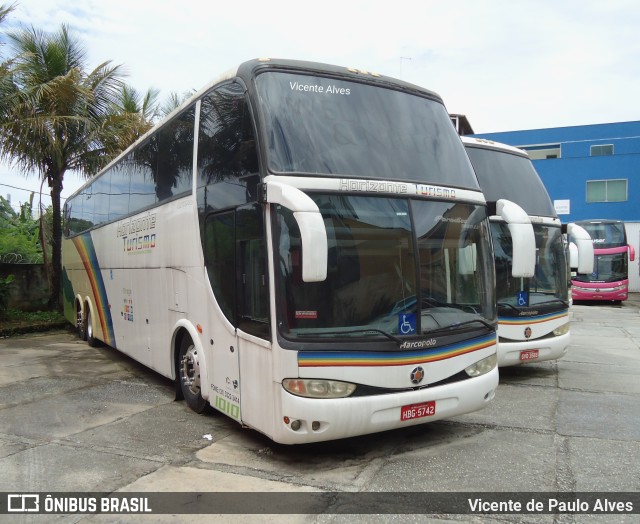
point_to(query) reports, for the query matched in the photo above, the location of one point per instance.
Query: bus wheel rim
(89, 326)
(190, 370)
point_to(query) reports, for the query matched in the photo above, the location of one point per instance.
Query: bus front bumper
(513, 353)
(319, 420)
(602, 292)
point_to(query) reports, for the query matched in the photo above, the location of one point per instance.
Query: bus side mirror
(583, 242)
(632, 253)
(523, 238)
(313, 233)
(573, 256)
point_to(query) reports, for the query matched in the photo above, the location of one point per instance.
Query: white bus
(533, 313)
(303, 247)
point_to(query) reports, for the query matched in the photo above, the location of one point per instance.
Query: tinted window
(86, 204)
(119, 193)
(220, 260)
(78, 214)
(253, 296)
(384, 268)
(323, 125)
(605, 234)
(175, 156)
(235, 259)
(141, 164)
(227, 157)
(157, 170)
(226, 144)
(505, 175)
(549, 282)
(101, 189)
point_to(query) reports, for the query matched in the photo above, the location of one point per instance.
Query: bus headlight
(482, 366)
(562, 330)
(318, 388)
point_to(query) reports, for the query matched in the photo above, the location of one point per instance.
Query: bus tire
(81, 323)
(188, 374)
(91, 340)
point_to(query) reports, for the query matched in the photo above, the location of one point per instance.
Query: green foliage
(19, 234)
(34, 316)
(17, 322)
(5, 282)
(57, 115)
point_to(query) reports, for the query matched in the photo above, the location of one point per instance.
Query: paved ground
(79, 419)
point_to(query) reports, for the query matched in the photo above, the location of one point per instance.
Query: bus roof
(484, 143)
(246, 70)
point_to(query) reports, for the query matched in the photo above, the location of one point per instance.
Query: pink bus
(612, 254)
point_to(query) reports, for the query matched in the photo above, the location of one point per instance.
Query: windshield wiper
(353, 332)
(563, 302)
(514, 308)
(457, 325)
(506, 304)
(546, 294)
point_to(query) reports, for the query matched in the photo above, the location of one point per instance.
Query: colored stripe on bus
(522, 321)
(395, 358)
(87, 253)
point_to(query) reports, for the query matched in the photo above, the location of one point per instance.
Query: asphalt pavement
(87, 420)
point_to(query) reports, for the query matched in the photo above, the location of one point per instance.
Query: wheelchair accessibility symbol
(523, 298)
(407, 323)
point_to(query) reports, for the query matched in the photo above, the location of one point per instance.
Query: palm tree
(55, 116)
(5, 10)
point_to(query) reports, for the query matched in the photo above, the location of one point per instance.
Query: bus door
(222, 357)
(236, 264)
(254, 333)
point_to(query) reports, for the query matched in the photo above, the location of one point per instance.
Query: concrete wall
(30, 289)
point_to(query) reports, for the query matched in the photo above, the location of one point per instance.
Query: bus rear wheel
(91, 340)
(189, 375)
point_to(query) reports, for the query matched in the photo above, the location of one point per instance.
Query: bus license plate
(423, 409)
(531, 354)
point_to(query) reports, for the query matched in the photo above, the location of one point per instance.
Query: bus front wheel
(81, 323)
(189, 375)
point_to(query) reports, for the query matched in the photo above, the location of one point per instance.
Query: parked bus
(304, 247)
(609, 279)
(533, 313)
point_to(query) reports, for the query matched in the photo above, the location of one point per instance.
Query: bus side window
(226, 143)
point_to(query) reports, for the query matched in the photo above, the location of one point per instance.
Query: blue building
(590, 171)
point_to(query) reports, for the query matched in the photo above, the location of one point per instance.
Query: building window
(542, 152)
(607, 190)
(602, 150)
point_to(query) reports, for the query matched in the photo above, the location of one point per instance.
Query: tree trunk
(55, 181)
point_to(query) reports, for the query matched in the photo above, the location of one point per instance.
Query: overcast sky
(506, 64)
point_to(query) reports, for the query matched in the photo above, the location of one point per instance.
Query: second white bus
(533, 313)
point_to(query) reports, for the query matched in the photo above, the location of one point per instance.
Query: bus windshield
(397, 267)
(322, 125)
(507, 175)
(549, 283)
(605, 234)
(607, 268)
